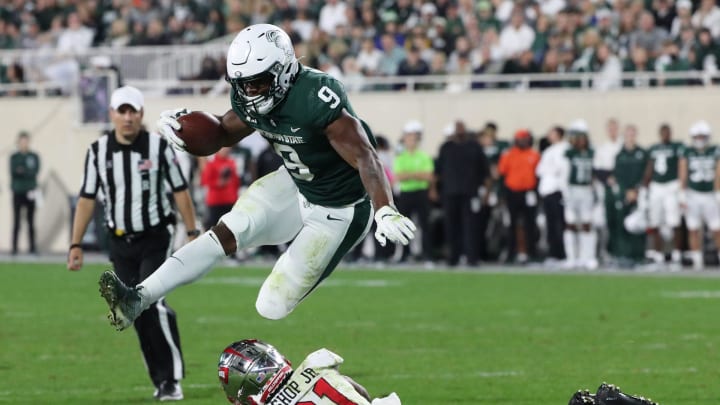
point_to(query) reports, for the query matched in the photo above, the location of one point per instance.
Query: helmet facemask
(265, 100)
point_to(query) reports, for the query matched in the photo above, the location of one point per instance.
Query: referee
(131, 169)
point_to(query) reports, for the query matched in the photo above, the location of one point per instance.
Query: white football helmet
(261, 52)
(700, 133)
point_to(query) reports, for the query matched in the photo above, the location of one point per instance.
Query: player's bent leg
(189, 263)
(327, 236)
(268, 213)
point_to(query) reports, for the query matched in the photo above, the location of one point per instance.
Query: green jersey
(24, 168)
(494, 151)
(296, 130)
(630, 167)
(701, 168)
(581, 164)
(665, 161)
(413, 162)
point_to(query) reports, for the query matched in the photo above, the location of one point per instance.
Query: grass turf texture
(434, 337)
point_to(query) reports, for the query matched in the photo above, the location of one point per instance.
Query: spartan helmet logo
(273, 36)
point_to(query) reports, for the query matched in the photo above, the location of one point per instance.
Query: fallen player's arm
(359, 388)
(349, 139)
(235, 128)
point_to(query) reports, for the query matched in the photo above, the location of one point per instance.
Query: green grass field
(434, 337)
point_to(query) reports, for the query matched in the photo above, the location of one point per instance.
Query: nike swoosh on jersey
(330, 218)
(294, 129)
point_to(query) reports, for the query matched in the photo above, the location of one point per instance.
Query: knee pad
(287, 284)
(238, 223)
(271, 308)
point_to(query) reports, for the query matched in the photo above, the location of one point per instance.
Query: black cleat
(608, 394)
(125, 303)
(582, 397)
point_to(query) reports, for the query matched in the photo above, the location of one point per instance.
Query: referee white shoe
(125, 302)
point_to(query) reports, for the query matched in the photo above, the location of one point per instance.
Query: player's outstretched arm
(359, 388)
(235, 128)
(83, 213)
(348, 138)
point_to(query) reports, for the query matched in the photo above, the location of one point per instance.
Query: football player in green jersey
(322, 198)
(699, 174)
(579, 238)
(627, 244)
(661, 181)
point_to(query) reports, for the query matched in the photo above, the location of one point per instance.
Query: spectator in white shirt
(332, 14)
(76, 38)
(683, 17)
(553, 182)
(368, 58)
(551, 7)
(517, 36)
(604, 159)
(609, 74)
(303, 24)
(708, 16)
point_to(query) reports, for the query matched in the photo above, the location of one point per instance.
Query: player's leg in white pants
(327, 235)
(587, 241)
(656, 213)
(570, 234)
(267, 213)
(694, 217)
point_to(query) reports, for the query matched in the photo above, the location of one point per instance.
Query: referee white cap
(127, 95)
(412, 126)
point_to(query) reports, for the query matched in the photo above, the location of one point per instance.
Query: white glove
(391, 399)
(168, 124)
(394, 226)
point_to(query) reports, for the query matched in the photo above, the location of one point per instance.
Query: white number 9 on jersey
(329, 96)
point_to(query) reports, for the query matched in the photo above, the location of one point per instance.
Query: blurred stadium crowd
(354, 39)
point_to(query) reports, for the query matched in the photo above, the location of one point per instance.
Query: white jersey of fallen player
(317, 381)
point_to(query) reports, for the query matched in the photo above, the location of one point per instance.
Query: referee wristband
(193, 233)
(75, 245)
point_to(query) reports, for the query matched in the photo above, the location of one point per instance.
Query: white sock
(588, 242)
(570, 245)
(697, 259)
(676, 256)
(186, 265)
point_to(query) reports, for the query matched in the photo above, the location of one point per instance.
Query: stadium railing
(445, 83)
(158, 69)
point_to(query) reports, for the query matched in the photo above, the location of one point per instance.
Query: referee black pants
(134, 260)
(416, 206)
(555, 223)
(20, 201)
(461, 229)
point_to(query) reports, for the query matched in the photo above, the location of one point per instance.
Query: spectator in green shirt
(413, 171)
(24, 167)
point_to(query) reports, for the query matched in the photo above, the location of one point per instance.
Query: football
(201, 132)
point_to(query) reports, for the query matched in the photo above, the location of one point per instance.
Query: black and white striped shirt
(133, 181)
